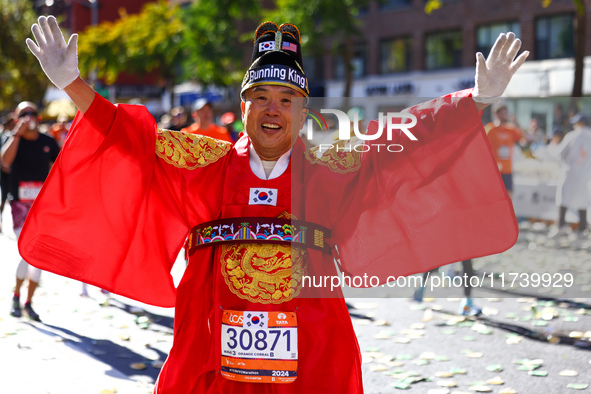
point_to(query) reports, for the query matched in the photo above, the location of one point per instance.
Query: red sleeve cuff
(100, 114)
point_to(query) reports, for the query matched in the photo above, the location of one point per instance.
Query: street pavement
(521, 344)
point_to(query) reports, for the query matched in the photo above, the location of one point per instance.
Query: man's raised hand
(58, 59)
(493, 74)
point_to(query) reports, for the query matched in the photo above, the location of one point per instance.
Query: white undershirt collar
(256, 165)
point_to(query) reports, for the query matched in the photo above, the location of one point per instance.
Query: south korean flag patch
(267, 46)
(262, 196)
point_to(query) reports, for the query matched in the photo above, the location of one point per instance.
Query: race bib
(28, 191)
(259, 347)
(504, 152)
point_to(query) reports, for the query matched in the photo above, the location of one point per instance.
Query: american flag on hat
(289, 46)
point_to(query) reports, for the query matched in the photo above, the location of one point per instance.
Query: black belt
(261, 230)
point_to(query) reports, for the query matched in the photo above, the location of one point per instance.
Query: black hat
(276, 59)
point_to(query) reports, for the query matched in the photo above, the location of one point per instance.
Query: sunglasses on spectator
(27, 113)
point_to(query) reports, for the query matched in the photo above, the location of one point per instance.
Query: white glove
(58, 60)
(493, 74)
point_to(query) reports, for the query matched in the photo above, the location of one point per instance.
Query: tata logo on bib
(281, 319)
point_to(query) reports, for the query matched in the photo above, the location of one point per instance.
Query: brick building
(404, 52)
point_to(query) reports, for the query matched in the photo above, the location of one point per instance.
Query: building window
(359, 62)
(554, 37)
(443, 50)
(395, 55)
(386, 5)
(487, 35)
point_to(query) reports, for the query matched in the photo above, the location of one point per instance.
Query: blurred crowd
(567, 143)
(201, 118)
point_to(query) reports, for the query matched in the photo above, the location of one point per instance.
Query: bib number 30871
(259, 347)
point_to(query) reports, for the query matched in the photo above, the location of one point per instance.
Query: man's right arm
(80, 93)
(60, 60)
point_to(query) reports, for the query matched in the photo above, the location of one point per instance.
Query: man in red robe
(261, 216)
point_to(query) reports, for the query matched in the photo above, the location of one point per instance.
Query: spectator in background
(179, 118)
(29, 154)
(574, 153)
(165, 122)
(560, 119)
(59, 130)
(535, 136)
(203, 116)
(503, 133)
(229, 121)
(7, 125)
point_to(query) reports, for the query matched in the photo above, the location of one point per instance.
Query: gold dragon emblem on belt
(263, 273)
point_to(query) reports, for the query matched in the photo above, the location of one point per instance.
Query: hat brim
(278, 59)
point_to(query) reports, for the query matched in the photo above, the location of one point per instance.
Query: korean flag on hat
(267, 46)
(262, 196)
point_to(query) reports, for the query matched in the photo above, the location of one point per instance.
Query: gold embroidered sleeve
(190, 151)
(341, 157)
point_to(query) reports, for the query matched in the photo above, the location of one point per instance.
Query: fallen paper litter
(381, 322)
(384, 334)
(495, 368)
(514, 339)
(508, 390)
(538, 373)
(447, 383)
(497, 380)
(568, 372)
(577, 386)
(481, 389)
(474, 355)
(378, 368)
(458, 371)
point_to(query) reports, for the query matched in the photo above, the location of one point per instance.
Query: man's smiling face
(267, 117)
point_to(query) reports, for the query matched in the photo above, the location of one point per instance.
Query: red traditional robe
(114, 214)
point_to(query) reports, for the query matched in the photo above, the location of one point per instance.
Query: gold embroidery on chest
(190, 151)
(263, 273)
(341, 158)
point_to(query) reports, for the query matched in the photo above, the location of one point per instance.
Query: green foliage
(137, 43)
(319, 20)
(432, 5)
(211, 40)
(579, 5)
(21, 76)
